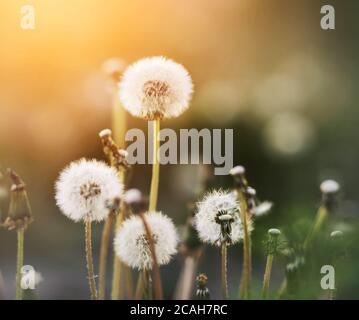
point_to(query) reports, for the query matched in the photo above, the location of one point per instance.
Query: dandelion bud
(329, 189)
(272, 242)
(238, 173)
(113, 68)
(105, 133)
(202, 291)
(136, 201)
(20, 215)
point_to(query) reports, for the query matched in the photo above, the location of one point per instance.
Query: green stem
(246, 270)
(224, 270)
(155, 166)
(20, 262)
(319, 220)
(267, 274)
(89, 260)
(141, 285)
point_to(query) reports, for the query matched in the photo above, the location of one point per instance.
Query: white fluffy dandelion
(84, 187)
(132, 246)
(209, 213)
(156, 88)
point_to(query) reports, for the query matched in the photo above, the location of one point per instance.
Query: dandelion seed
(156, 88)
(84, 188)
(218, 206)
(132, 246)
(262, 209)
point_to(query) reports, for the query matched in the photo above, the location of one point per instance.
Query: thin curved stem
(155, 166)
(247, 259)
(267, 275)
(224, 270)
(20, 262)
(89, 260)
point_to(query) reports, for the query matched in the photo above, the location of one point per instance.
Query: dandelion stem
(118, 120)
(319, 220)
(141, 284)
(155, 267)
(20, 262)
(103, 255)
(117, 265)
(224, 270)
(246, 271)
(267, 275)
(89, 260)
(155, 166)
(128, 276)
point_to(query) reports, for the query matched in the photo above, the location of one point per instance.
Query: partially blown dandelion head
(132, 246)
(155, 88)
(85, 187)
(215, 208)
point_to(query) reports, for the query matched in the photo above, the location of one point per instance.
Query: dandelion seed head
(262, 209)
(84, 188)
(132, 246)
(336, 234)
(209, 230)
(329, 186)
(155, 88)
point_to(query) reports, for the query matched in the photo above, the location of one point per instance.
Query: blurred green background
(264, 68)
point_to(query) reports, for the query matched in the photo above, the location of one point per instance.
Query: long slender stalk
(89, 260)
(155, 166)
(224, 270)
(117, 265)
(128, 280)
(118, 120)
(267, 275)
(103, 255)
(319, 220)
(20, 262)
(246, 270)
(155, 267)
(141, 285)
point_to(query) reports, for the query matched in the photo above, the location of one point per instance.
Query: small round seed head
(274, 232)
(329, 187)
(209, 211)
(132, 246)
(84, 189)
(155, 88)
